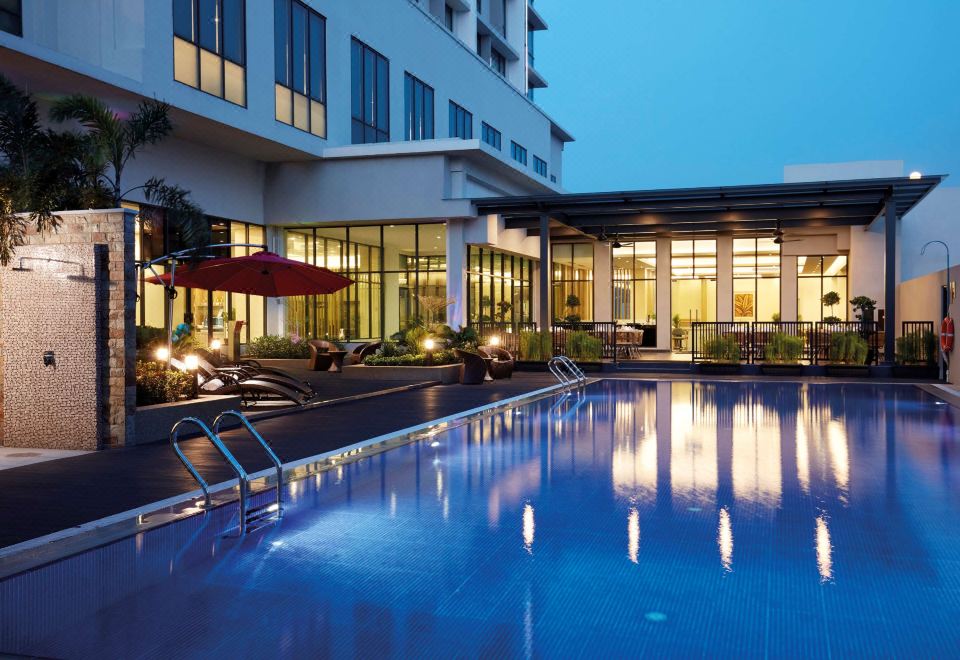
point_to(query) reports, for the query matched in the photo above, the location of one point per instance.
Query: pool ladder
(250, 519)
(566, 371)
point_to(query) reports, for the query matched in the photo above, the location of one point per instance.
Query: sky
(677, 93)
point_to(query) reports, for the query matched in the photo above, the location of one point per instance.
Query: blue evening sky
(671, 93)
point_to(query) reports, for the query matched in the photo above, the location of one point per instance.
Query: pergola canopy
(753, 208)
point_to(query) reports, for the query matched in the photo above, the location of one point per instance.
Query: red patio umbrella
(258, 274)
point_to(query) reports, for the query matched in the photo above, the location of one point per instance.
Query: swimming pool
(642, 518)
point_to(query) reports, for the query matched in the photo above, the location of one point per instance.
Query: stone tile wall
(76, 297)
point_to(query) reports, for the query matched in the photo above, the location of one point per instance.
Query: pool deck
(47, 497)
(51, 496)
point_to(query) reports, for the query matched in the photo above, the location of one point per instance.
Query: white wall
(935, 218)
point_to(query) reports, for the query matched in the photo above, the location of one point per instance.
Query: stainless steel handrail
(219, 446)
(574, 369)
(263, 443)
(553, 366)
(569, 374)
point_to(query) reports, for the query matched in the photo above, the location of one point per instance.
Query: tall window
(635, 282)
(461, 122)
(209, 47)
(499, 286)
(11, 17)
(693, 287)
(518, 153)
(498, 62)
(418, 108)
(370, 79)
(300, 63)
(540, 166)
(572, 281)
(448, 17)
(816, 277)
(756, 279)
(491, 136)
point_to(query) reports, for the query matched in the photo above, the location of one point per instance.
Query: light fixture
(192, 362)
(495, 340)
(163, 354)
(429, 344)
(216, 345)
(916, 175)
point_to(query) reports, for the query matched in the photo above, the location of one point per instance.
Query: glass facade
(816, 277)
(209, 47)
(418, 109)
(399, 274)
(370, 94)
(300, 64)
(211, 314)
(635, 282)
(693, 281)
(756, 279)
(499, 286)
(572, 281)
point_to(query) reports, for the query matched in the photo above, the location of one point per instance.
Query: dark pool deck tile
(47, 497)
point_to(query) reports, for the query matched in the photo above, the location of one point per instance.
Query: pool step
(262, 516)
(654, 367)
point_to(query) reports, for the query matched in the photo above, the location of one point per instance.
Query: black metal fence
(508, 333)
(703, 336)
(871, 331)
(605, 331)
(917, 343)
(767, 337)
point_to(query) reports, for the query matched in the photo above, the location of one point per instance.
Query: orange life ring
(946, 335)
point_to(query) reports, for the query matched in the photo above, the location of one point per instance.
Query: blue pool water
(647, 519)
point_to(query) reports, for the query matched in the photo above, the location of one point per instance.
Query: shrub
(724, 348)
(464, 338)
(150, 337)
(784, 349)
(917, 348)
(277, 347)
(414, 337)
(393, 349)
(832, 319)
(411, 359)
(158, 384)
(536, 346)
(584, 346)
(848, 348)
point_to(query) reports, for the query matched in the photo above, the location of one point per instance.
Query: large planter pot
(719, 368)
(916, 371)
(153, 423)
(781, 369)
(446, 374)
(849, 370)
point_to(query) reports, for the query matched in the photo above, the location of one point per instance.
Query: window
(572, 281)
(816, 277)
(490, 135)
(498, 62)
(209, 44)
(370, 80)
(756, 279)
(540, 166)
(300, 64)
(693, 287)
(635, 282)
(461, 122)
(418, 109)
(518, 153)
(448, 17)
(499, 287)
(11, 17)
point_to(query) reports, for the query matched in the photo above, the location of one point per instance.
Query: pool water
(679, 519)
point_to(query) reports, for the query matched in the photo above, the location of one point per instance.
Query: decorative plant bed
(446, 374)
(153, 423)
(772, 369)
(276, 363)
(718, 368)
(849, 370)
(916, 371)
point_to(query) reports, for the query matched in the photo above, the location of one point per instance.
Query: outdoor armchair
(474, 370)
(502, 363)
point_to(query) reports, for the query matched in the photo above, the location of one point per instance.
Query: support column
(456, 273)
(663, 294)
(890, 281)
(544, 319)
(724, 278)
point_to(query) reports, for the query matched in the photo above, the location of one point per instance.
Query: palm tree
(41, 171)
(115, 141)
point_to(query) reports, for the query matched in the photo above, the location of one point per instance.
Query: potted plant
(848, 355)
(776, 317)
(831, 299)
(865, 306)
(782, 355)
(536, 346)
(582, 346)
(572, 304)
(916, 356)
(677, 333)
(723, 355)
